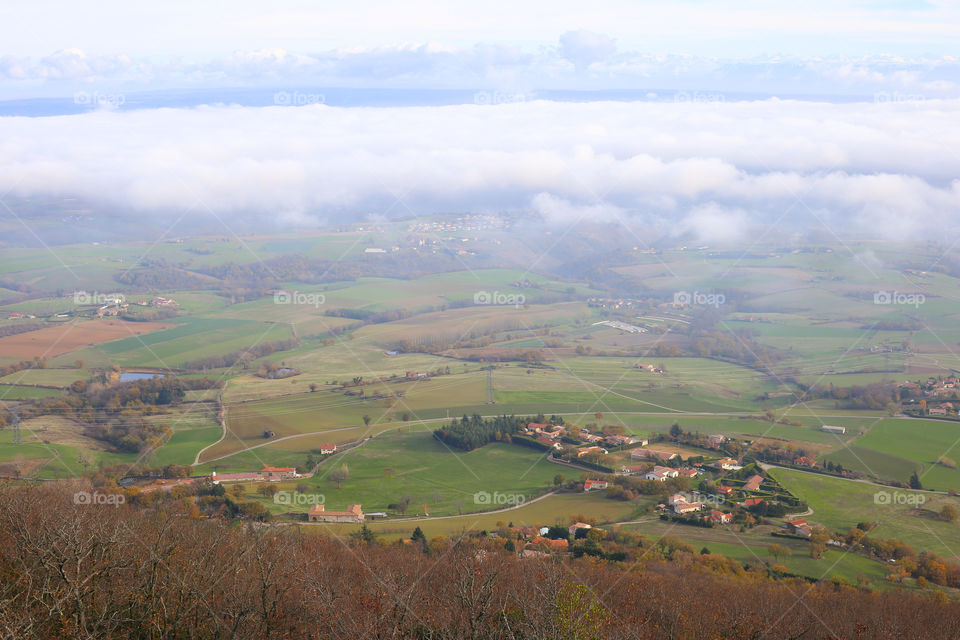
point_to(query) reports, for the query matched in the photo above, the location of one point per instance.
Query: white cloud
(719, 167)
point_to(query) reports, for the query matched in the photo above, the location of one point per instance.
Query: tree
(819, 537)
(78, 364)
(364, 535)
(340, 475)
(267, 490)
(675, 430)
(779, 551)
(418, 536)
(948, 513)
(915, 481)
(366, 420)
(313, 387)
(558, 479)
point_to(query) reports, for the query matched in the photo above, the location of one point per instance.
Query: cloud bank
(712, 168)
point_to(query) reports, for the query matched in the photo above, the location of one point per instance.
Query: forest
(98, 570)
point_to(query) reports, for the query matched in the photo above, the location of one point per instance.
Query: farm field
(921, 443)
(841, 504)
(378, 385)
(47, 377)
(70, 336)
(750, 547)
(550, 510)
(412, 465)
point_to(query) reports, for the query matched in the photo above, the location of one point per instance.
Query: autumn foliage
(101, 571)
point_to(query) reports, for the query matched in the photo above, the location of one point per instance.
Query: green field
(841, 504)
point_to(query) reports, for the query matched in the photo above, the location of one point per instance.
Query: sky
(711, 115)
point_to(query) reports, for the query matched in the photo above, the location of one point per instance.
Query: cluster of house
(942, 409)
(935, 389)
(113, 308)
(536, 537)
(683, 505)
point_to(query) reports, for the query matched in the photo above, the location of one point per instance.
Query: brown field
(21, 468)
(60, 430)
(54, 341)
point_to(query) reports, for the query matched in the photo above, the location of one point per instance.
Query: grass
(919, 441)
(551, 510)
(52, 377)
(841, 504)
(412, 465)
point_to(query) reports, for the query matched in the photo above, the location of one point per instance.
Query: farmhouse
(753, 484)
(543, 439)
(725, 490)
(799, 527)
(617, 441)
(589, 485)
(752, 502)
(632, 469)
(576, 526)
(687, 507)
(728, 464)
(353, 514)
(688, 473)
(555, 545)
(716, 440)
(279, 473)
(327, 448)
(831, 429)
(588, 437)
(660, 474)
(719, 517)
(804, 461)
